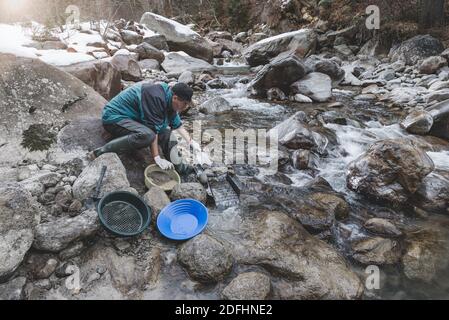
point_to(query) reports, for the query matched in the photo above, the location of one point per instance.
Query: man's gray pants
(140, 136)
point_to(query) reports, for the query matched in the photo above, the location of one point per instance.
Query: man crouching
(144, 115)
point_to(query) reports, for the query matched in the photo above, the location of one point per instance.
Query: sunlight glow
(15, 6)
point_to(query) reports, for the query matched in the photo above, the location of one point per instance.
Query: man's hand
(164, 164)
(195, 146)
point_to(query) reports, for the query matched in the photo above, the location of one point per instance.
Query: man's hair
(183, 91)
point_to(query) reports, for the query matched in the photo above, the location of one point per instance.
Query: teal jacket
(148, 104)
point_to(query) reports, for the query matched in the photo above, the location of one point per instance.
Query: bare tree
(431, 13)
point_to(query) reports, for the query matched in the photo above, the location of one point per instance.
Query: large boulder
(147, 51)
(295, 133)
(125, 62)
(177, 62)
(303, 42)
(416, 48)
(206, 259)
(440, 114)
(215, 105)
(100, 75)
(391, 170)
(158, 41)
(114, 180)
(19, 215)
(316, 85)
(326, 66)
(37, 100)
(179, 37)
(57, 235)
(282, 71)
(307, 268)
(248, 286)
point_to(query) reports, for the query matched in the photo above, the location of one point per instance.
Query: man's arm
(155, 147)
(162, 163)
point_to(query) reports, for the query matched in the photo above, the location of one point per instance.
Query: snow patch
(180, 28)
(13, 39)
(282, 36)
(63, 58)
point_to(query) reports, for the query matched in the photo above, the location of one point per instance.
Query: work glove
(164, 164)
(195, 146)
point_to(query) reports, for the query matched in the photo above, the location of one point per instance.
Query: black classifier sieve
(124, 214)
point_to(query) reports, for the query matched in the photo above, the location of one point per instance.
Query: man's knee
(142, 140)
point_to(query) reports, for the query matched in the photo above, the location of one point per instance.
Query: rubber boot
(119, 145)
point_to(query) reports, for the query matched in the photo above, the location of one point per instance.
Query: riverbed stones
(59, 234)
(156, 199)
(376, 251)
(13, 290)
(248, 286)
(440, 114)
(433, 193)
(205, 258)
(426, 254)
(382, 227)
(276, 94)
(432, 64)
(189, 191)
(187, 77)
(418, 122)
(131, 37)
